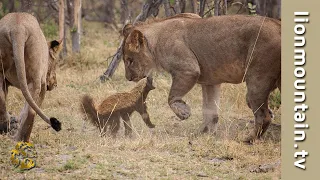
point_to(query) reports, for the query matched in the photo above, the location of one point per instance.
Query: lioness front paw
(151, 125)
(181, 109)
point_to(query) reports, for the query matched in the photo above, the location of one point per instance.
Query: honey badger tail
(89, 109)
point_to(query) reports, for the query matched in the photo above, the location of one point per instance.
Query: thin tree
(177, 6)
(61, 19)
(26, 5)
(183, 4)
(202, 7)
(124, 16)
(167, 8)
(194, 6)
(216, 7)
(11, 6)
(150, 7)
(76, 28)
(109, 14)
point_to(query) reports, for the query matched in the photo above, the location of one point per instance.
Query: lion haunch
(108, 113)
(28, 63)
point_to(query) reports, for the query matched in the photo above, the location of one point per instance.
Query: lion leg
(270, 111)
(257, 97)
(28, 114)
(182, 83)
(211, 101)
(4, 118)
(127, 124)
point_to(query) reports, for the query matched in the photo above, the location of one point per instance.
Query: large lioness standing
(27, 63)
(211, 51)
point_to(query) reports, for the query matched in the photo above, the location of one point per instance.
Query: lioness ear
(136, 41)
(126, 30)
(55, 47)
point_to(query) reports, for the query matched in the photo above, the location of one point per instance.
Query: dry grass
(170, 151)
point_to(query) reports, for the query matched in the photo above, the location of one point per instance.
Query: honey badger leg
(127, 124)
(211, 101)
(115, 124)
(145, 115)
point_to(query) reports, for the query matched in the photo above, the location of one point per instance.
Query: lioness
(118, 105)
(211, 51)
(27, 63)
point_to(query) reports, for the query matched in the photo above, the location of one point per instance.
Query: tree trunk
(167, 8)
(26, 6)
(124, 11)
(183, 4)
(202, 7)
(109, 14)
(11, 6)
(61, 19)
(194, 6)
(269, 8)
(177, 7)
(261, 7)
(76, 28)
(150, 7)
(225, 9)
(279, 9)
(70, 12)
(216, 7)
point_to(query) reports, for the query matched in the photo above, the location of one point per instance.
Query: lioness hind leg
(258, 100)
(182, 83)
(211, 101)
(27, 114)
(4, 118)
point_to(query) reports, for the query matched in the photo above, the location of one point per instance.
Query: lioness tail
(18, 38)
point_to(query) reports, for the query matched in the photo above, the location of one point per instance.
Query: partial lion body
(109, 111)
(211, 51)
(26, 63)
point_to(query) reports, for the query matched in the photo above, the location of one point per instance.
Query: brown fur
(209, 51)
(27, 63)
(122, 105)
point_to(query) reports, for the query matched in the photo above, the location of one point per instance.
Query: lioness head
(136, 54)
(54, 50)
